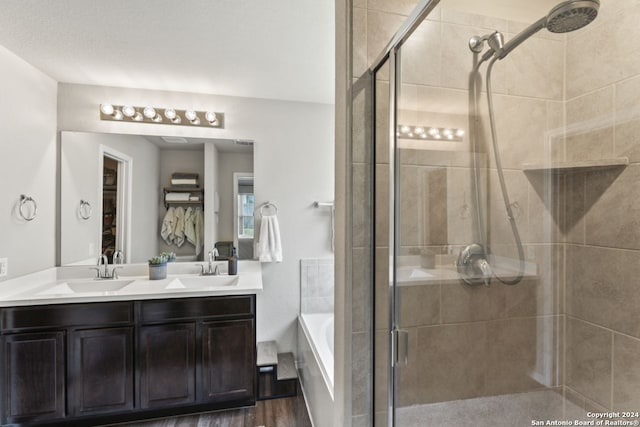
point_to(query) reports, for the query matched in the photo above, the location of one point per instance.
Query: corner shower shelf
(577, 166)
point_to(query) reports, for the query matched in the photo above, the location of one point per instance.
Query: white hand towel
(189, 226)
(168, 225)
(269, 246)
(178, 232)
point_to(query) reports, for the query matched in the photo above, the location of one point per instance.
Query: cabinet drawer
(66, 315)
(190, 308)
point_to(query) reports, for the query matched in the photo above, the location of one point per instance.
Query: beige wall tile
(541, 296)
(419, 305)
(602, 287)
(452, 360)
(361, 378)
(360, 4)
(382, 289)
(361, 201)
(400, 7)
(590, 126)
(461, 206)
(360, 293)
(589, 360)
(489, 23)
(500, 231)
(626, 373)
(554, 148)
(628, 119)
(380, 28)
(604, 52)
(611, 218)
(536, 69)
(360, 59)
(382, 121)
(458, 62)
(523, 354)
(421, 55)
(463, 303)
(382, 206)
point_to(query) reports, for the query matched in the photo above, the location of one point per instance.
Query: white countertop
(63, 285)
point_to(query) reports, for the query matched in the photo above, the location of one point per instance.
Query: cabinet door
(101, 371)
(229, 368)
(34, 377)
(167, 365)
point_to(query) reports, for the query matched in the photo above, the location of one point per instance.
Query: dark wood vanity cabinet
(167, 365)
(33, 377)
(74, 363)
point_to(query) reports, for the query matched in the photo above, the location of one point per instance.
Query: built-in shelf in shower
(577, 166)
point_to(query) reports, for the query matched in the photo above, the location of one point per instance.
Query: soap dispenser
(233, 262)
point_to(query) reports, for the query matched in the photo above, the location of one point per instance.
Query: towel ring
(268, 205)
(23, 202)
(85, 210)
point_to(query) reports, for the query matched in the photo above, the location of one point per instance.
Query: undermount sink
(83, 287)
(203, 282)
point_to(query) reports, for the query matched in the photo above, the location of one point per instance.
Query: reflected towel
(168, 225)
(178, 231)
(269, 246)
(199, 228)
(190, 226)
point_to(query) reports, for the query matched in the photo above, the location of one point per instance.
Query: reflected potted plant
(169, 256)
(158, 268)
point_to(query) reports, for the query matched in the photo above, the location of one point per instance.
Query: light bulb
(176, 120)
(410, 134)
(434, 131)
(107, 109)
(149, 112)
(137, 117)
(190, 115)
(157, 118)
(459, 133)
(117, 115)
(449, 136)
(170, 113)
(438, 136)
(404, 129)
(128, 111)
(423, 135)
(419, 130)
(195, 121)
(447, 132)
(211, 117)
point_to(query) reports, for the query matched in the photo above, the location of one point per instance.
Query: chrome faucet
(212, 269)
(118, 257)
(103, 273)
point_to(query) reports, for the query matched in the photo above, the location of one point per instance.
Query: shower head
(572, 15)
(567, 16)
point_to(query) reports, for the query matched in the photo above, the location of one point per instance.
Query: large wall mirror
(131, 197)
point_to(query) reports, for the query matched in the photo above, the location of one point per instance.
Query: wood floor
(286, 412)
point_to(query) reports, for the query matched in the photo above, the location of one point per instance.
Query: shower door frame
(396, 337)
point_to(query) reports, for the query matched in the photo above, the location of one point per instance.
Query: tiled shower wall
(603, 229)
(472, 335)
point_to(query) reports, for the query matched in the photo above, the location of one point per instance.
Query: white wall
(293, 166)
(229, 163)
(27, 164)
(79, 178)
(172, 161)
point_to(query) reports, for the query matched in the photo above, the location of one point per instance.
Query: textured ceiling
(277, 49)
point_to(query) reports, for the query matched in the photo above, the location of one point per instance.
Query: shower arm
(522, 36)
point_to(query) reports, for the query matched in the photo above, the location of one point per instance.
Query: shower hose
(503, 186)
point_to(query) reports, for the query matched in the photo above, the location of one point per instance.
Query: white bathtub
(315, 365)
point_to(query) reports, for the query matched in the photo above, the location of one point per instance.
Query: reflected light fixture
(429, 133)
(155, 115)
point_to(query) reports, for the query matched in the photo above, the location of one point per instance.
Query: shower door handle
(400, 347)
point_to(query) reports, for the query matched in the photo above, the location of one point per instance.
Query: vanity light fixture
(429, 133)
(167, 116)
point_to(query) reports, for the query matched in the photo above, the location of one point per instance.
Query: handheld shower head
(572, 15)
(567, 16)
